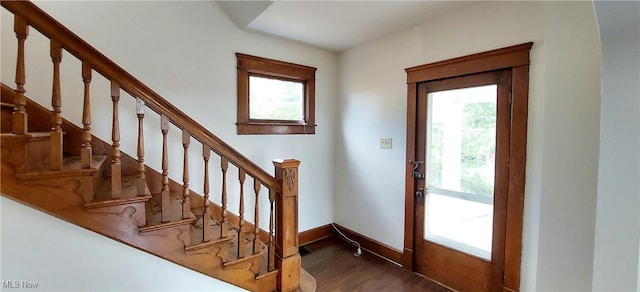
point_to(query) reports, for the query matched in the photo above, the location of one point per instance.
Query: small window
(275, 97)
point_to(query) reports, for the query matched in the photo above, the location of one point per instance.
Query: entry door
(461, 181)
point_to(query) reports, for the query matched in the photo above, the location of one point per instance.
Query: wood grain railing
(116, 164)
(56, 103)
(282, 241)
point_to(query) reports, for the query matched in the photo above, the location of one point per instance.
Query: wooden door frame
(515, 58)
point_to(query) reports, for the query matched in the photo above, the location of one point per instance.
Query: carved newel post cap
(286, 163)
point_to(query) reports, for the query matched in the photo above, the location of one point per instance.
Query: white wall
(373, 104)
(370, 182)
(617, 237)
(76, 259)
(185, 51)
(562, 145)
(193, 60)
(570, 147)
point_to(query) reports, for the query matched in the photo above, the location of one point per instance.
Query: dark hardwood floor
(335, 268)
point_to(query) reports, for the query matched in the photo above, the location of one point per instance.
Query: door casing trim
(517, 59)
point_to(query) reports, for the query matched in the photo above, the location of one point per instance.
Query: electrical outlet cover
(386, 143)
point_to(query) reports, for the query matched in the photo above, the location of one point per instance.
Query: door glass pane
(461, 144)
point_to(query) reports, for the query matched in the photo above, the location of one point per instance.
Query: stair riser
(221, 246)
(6, 122)
(182, 231)
(85, 186)
(127, 165)
(37, 155)
(133, 210)
(13, 153)
(26, 153)
(251, 263)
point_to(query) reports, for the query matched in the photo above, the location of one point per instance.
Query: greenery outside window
(275, 97)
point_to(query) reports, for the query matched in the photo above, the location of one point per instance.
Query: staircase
(53, 165)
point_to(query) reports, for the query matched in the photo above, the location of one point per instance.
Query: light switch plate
(386, 143)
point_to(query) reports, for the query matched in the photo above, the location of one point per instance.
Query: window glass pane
(275, 99)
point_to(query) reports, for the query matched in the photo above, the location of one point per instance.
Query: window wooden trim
(515, 58)
(257, 66)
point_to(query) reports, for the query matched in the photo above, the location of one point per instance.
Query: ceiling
(333, 25)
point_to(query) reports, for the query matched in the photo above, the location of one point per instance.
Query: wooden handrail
(73, 44)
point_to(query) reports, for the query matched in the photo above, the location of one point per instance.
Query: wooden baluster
(186, 200)
(241, 234)
(140, 177)
(287, 259)
(224, 221)
(206, 214)
(116, 167)
(164, 195)
(86, 151)
(256, 218)
(271, 252)
(19, 115)
(56, 104)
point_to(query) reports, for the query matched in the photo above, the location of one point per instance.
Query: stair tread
(165, 225)
(264, 269)
(129, 193)
(197, 240)
(205, 244)
(248, 255)
(30, 135)
(232, 257)
(71, 165)
(129, 189)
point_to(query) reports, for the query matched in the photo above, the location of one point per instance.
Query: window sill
(256, 128)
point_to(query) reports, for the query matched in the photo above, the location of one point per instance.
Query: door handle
(420, 196)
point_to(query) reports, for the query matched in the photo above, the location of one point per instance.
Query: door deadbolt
(416, 172)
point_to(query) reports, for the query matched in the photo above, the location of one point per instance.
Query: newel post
(287, 259)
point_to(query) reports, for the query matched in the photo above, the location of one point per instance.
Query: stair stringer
(123, 227)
